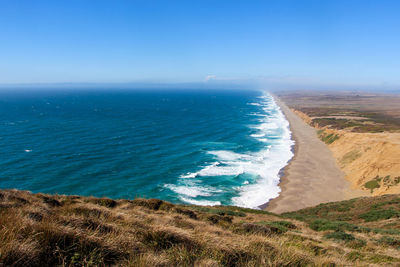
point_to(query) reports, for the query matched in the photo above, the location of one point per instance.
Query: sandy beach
(312, 176)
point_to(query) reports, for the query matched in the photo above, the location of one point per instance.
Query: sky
(319, 42)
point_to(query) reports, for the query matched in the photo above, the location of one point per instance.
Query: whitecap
(278, 135)
(200, 202)
(264, 166)
(228, 155)
(257, 135)
(190, 191)
(195, 174)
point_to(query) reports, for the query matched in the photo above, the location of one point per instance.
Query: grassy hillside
(48, 230)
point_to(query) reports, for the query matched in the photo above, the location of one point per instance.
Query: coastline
(311, 177)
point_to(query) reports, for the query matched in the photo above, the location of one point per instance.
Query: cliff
(371, 161)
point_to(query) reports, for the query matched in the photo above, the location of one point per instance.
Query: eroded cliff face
(371, 161)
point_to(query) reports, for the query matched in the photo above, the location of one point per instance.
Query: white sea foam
(189, 175)
(257, 135)
(264, 165)
(200, 202)
(273, 159)
(257, 114)
(228, 155)
(254, 104)
(203, 171)
(192, 190)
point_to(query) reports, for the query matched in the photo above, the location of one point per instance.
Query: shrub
(340, 235)
(218, 218)
(265, 228)
(153, 204)
(328, 139)
(186, 212)
(283, 226)
(105, 202)
(356, 243)
(373, 184)
(390, 241)
(324, 225)
(375, 215)
(386, 231)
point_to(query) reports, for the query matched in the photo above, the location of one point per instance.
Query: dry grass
(45, 230)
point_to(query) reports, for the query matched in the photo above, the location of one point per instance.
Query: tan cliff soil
(365, 157)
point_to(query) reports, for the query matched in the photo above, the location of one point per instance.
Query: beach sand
(312, 176)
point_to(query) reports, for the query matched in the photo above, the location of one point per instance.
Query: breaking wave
(254, 173)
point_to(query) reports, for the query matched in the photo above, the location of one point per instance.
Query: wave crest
(263, 166)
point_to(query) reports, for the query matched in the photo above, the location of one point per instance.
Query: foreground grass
(46, 230)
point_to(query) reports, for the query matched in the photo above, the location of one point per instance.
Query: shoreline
(311, 176)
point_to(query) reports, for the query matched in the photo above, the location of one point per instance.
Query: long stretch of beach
(312, 176)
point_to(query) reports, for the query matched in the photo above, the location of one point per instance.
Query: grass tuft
(380, 214)
(45, 230)
(340, 236)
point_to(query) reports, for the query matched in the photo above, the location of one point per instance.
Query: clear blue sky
(323, 41)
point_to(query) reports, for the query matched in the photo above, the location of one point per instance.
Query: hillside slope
(48, 230)
(371, 161)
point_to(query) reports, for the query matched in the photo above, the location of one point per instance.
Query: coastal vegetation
(58, 230)
(327, 138)
(354, 112)
(386, 181)
(361, 129)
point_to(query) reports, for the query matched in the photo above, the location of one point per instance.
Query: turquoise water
(202, 147)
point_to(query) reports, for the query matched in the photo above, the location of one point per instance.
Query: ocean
(203, 147)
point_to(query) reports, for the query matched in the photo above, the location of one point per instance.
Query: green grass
(340, 236)
(373, 184)
(350, 157)
(334, 211)
(395, 201)
(328, 139)
(389, 182)
(386, 231)
(390, 241)
(324, 225)
(375, 215)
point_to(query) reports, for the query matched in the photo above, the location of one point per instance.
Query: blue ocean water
(204, 147)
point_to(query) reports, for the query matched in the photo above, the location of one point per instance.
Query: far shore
(312, 176)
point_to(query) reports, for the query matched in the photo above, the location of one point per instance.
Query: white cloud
(210, 77)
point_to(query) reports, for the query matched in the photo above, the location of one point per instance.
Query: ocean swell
(275, 130)
(256, 172)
